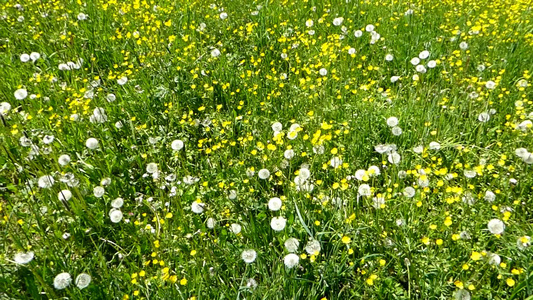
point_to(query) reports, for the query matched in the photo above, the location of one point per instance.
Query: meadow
(282, 149)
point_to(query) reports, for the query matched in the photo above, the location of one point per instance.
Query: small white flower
(5, 107)
(197, 207)
(393, 79)
(392, 121)
(351, 51)
(415, 61)
(23, 257)
(115, 215)
(64, 195)
(470, 173)
(358, 33)
(323, 72)
(45, 181)
(122, 80)
(263, 174)
(463, 45)
(62, 281)
(111, 97)
(82, 16)
(291, 260)
(496, 226)
(397, 131)
(421, 69)
(490, 196)
(418, 149)
(278, 223)
(274, 204)
(309, 23)
(21, 94)
(292, 245)
(369, 28)
(432, 64)
(389, 57)
(91, 143)
(83, 280)
(434, 146)
(249, 256)
(360, 174)
(423, 55)
(223, 15)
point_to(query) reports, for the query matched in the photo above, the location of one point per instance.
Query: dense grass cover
(266, 149)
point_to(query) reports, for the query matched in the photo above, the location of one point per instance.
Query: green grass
(434, 245)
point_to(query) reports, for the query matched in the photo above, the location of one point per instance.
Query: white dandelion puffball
(45, 182)
(523, 242)
(64, 160)
(35, 56)
(389, 57)
(274, 204)
(463, 45)
(434, 146)
(415, 61)
(392, 121)
(494, 259)
(338, 21)
(111, 97)
(393, 79)
(151, 168)
(288, 154)
(23, 257)
(462, 294)
(292, 135)
(397, 131)
(313, 247)
(83, 280)
(424, 54)
(249, 256)
(99, 191)
(360, 174)
(232, 195)
(496, 226)
(432, 64)
(24, 57)
(5, 107)
(278, 223)
(304, 173)
(117, 203)
(521, 152)
(64, 195)
(263, 174)
(369, 28)
(490, 196)
(215, 52)
(358, 33)
(197, 207)
(235, 228)
(364, 190)
(291, 260)
(490, 84)
(115, 215)
(211, 223)
(122, 80)
(91, 143)
(21, 94)
(177, 145)
(309, 23)
(292, 245)
(82, 16)
(223, 15)
(421, 69)
(483, 117)
(409, 192)
(323, 72)
(394, 158)
(351, 51)
(62, 281)
(277, 127)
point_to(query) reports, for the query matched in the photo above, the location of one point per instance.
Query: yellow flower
(510, 282)
(346, 239)
(475, 255)
(183, 281)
